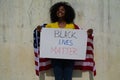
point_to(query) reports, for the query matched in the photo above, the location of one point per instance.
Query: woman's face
(61, 12)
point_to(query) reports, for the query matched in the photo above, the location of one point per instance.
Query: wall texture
(18, 18)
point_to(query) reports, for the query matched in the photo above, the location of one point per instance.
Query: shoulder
(50, 25)
(76, 26)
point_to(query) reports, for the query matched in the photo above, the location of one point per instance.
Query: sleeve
(48, 26)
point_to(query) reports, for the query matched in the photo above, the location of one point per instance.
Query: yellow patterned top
(55, 25)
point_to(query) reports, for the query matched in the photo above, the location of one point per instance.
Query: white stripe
(94, 69)
(84, 64)
(45, 63)
(90, 40)
(36, 50)
(89, 56)
(89, 48)
(37, 68)
(37, 59)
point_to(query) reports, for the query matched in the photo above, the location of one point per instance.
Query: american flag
(43, 64)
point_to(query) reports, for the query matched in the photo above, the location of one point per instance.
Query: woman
(62, 15)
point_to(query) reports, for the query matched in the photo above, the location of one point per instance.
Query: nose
(61, 9)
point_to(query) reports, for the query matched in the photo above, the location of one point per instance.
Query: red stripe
(86, 60)
(91, 37)
(84, 68)
(43, 59)
(89, 52)
(36, 54)
(36, 63)
(90, 44)
(76, 27)
(94, 73)
(42, 68)
(37, 72)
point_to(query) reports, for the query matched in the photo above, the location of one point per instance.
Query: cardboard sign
(63, 43)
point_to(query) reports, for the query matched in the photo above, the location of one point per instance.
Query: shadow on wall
(76, 74)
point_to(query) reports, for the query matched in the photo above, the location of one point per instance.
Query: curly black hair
(69, 12)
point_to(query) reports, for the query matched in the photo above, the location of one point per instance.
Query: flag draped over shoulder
(42, 64)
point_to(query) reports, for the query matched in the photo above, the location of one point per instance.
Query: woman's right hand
(39, 28)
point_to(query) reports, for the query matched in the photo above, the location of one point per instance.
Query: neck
(61, 24)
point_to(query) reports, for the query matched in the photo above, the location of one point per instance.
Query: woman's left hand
(90, 32)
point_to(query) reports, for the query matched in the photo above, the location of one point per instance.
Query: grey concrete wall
(18, 18)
